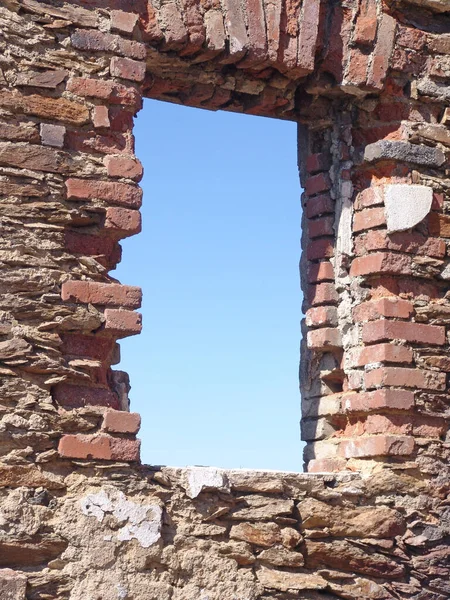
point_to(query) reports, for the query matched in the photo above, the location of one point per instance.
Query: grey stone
(405, 152)
(12, 585)
(406, 205)
(52, 135)
(439, 6)
(439, 90)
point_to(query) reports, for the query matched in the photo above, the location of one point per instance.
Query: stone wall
(80, 518)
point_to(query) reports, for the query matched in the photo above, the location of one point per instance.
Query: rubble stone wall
(80, 517)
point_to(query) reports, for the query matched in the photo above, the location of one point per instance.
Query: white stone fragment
(204, 478)
(145, 532)
(406, 205)
(95, 505)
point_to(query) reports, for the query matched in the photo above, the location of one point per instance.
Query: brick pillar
(375, 273)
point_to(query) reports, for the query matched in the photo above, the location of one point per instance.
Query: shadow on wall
(214, 373)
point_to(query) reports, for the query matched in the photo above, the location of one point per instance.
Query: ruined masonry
(368, 82)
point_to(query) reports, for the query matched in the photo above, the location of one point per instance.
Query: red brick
(323, 293)
(390, 306)
(127, 68)
(317, 184)
(319, 205)
(105, 90)
(321, 227)
(439, 224)
(368, 219)
(438, 201)
(98, 447)
(76, 396)
(119, 421)
(57, 109)
(123, 194)
(366, 24)
(322, 271)
(105, 294)
(87, 346)
(383, 50)
(369, 197)
(41, 79)
(381, 262)
(321, 315)
(324, 338)
(97, 41)
(403, 377)
(417, 333)
(122, 21)
(419, 426)
(123, 166)
(92, 245)
(122, 222)
(308, 34)
(100, 116)
(378, 400)
(326, 465)
(109, 142)
(358, 65)
(122, 323)
(322, 248)
(378, 445)
(409, 242)
(382, 353)
(318, 162)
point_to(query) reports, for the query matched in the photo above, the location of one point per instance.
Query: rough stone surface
(406, 205)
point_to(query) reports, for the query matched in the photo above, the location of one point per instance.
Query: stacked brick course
(367, 81)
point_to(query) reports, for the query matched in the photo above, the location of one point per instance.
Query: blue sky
(215, 372)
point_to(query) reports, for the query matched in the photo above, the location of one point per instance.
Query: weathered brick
(127, 68)
(119, 421)
(439, 224)
(59, 109)
(381, 262)
(366, 24)
(357, 67)
(417, 333)
(326, 465)
(100, 116)
(109, 142)
(76, 396)
(123, 166)
(321, 227)
(321, 248)
(410, 242)
(378, 445)
(122, 323)
(368, 219)
(389, 306)
(103, 247)
(34, 157)
(416, 425)
(42, 79)
(403, 377)
(319, 205)
(105, 294)
(324, 338)
(318, 162)
(97, 41)
(323, 293)
(317, 184)
(87, 346)
(99, 447)
(123, 21)
(383, 51)
(122, 222)
(378, 400)
(26, 132)
(381, 353)
(321, 315)
(52, 135)
(322, 271)
(116, 93)
(123, 194)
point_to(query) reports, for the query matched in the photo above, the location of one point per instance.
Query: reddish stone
(417, 333)
(100, 116)
(322, 248)
(107, 143)
(323, 293)
(97, 41)
(103, 247)
(318, 162)
(122, 21)
(105, 90)
(322, 271)
(119, 421)
(403, 377)
(122, 323)
(319, 205)
(125, 450)
(123, 194)
(378, 400)
(87, 346)
(368, 219)
(383, 307)
(326, 465)
(321, 227)
(127, 68)
(379, 445)
(122, 222)
(382, 353)
(123, 166)
(308, 35)
(324, 338)
(104, 294)
(439, 224)
(76, 396)
(59, 109)
(42, 79)
(317, 184)
(19, 133)
(33, 157)
(381, 262)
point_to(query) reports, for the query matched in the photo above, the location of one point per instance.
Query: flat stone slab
(406, 205)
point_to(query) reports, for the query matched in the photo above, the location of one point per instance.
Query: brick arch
(366, 80)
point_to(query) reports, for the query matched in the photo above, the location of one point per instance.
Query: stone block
(406, 205)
